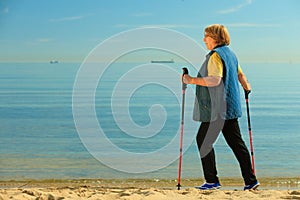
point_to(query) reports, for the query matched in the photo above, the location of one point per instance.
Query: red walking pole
(185, 71)
(247, 92)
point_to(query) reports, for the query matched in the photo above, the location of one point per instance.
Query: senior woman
(218, 106)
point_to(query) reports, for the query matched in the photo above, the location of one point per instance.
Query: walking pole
(185, 71)
(247, 92)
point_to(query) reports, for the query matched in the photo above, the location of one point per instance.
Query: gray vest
(209, 101)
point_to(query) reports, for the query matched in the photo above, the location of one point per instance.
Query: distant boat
(162, 61)
(53, 61)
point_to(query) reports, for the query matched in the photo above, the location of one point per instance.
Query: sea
(124, 120)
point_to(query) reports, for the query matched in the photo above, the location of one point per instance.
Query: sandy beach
(280, 188)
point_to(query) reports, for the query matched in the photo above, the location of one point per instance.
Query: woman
(218, 106)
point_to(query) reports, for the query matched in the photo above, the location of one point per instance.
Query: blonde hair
(219, 33)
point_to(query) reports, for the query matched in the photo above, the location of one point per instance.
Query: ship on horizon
(53, 61)
(162, 61)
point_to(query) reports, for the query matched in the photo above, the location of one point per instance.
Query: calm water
(39, 138)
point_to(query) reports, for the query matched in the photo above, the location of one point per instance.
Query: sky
(68, 30)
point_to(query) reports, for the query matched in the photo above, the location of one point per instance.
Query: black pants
(207, 135)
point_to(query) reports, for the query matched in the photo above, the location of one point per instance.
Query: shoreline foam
(266, 182)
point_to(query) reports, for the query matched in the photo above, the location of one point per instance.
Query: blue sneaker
(209, 186)
(252, 186)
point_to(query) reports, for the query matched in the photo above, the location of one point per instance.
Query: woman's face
(209, 42)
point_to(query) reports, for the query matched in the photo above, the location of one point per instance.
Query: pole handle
(247, 92)
(185, 71)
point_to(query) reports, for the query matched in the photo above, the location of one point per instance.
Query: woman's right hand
(185, 78)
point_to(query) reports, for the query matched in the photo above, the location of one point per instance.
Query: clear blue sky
(67, 30)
